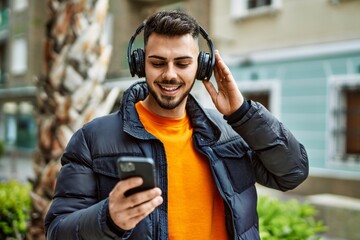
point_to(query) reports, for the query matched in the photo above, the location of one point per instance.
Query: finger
(223, 69)
(135, 215)
(142, 197)
(128, 218)
(217, 73)
(209, 86)
(219, 77)
(130, 183)
(144, 209)
(124, 185)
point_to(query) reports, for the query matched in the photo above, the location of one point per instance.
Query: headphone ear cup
(138, 62)
(209, 67)
(202, 62)
(131, 62)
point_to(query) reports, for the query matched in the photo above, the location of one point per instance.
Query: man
(206, 161)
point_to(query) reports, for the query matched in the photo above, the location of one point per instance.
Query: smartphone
(130, 166)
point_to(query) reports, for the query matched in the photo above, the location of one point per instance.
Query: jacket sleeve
(279, 160)
(75, 212)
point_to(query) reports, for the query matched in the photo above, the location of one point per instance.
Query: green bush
(15, 205)
(288, 220)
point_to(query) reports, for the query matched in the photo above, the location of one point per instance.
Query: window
(352, 121)
(335, 2)
(266, 92)
(246, 8)
(20, 5)
(10, 109)
(262, 97)
(344, 120)
(251, 4)
(19, 56)
(20, 125)
(2, 63)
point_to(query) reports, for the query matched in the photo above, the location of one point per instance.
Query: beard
(169, 102)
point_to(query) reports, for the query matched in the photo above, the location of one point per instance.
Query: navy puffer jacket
(255, 148)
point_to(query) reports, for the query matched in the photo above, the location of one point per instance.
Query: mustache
(164, 81)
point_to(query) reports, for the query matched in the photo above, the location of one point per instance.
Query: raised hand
(127, 212)
(227, 97)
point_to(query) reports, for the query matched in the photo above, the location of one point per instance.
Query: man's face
(170, 67)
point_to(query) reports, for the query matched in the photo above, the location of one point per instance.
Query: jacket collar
(205, 131)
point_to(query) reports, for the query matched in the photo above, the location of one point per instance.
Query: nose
(169, 72)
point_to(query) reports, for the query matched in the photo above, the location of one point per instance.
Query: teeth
(169, 88)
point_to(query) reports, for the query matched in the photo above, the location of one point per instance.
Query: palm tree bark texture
(70, 91)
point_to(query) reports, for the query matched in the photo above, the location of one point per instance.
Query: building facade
(301, 59)
(21, 31)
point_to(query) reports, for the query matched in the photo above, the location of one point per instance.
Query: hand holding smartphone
(131, 166)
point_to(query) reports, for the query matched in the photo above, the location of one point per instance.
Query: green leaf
(15, 206)
(281, 220)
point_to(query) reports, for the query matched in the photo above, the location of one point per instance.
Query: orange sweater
(195, 208)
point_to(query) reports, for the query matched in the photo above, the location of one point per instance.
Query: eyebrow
(163, 58)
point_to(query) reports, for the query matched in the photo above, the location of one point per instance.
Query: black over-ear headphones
(136, 59)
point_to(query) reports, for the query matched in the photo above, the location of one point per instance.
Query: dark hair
(171, 23)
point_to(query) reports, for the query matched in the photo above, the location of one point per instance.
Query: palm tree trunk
(70, 93)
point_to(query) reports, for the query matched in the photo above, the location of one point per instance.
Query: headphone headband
(205, 35)
(136, 59)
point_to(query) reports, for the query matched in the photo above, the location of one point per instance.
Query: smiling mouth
(169, 87)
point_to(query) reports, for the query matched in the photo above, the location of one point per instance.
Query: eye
(183, 64)
(157, 64)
